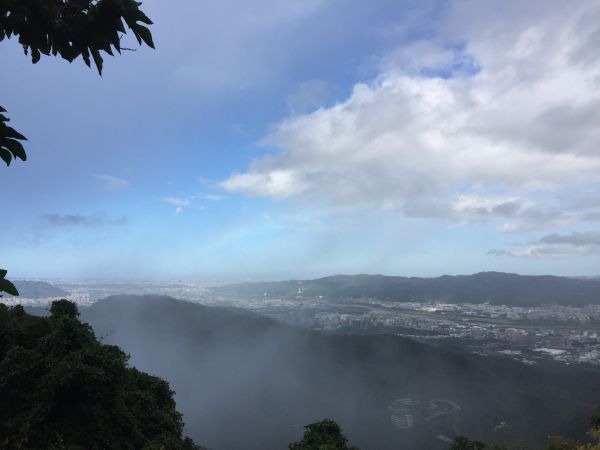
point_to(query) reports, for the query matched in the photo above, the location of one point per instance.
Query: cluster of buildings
(563, 333)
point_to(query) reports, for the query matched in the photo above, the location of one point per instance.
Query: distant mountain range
(246, 381)
(486, 287)
(38, 289)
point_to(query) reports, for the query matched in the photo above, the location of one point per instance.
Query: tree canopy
(323, 435)
(61, 388)
(554, 442)
(464, 443)
(73, 28)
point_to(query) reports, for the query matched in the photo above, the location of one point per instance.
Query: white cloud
(111, 183)
(557, 246)
(182, 203)
(209, 197)
(175, 201)
(494, 119)
(274, 183)
(178, 202)
(577, 239)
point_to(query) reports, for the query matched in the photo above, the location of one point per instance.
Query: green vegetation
(323, 435)
(464, 443)
(555, 442)
(563, 443)
(63, 389)
(327, 435)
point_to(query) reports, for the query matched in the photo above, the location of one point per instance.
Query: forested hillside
(61, 388)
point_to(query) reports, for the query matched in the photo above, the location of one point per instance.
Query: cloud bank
(556, 245)
(493, 119)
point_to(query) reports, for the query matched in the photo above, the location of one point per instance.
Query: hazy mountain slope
(244, 381)
(38, 289)
(492, 287)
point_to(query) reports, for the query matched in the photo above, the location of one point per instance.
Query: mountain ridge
(497, 288)
(38, 289)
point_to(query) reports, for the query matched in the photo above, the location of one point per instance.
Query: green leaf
(3, 273)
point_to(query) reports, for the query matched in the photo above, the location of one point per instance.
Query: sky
(268, 139)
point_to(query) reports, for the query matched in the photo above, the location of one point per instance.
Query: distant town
(563, 333)
(570, 335)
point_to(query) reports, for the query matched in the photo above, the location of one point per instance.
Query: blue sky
(272, 139)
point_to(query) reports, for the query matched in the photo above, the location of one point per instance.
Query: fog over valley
(394, 373)
(246, 381)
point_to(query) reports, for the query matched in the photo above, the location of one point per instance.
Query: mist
(246, 381)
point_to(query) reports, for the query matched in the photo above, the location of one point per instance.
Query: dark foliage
(10, 147)
(61, 388)
(554, 442)
(73, 28)
(6, 286)
(64, 308)
(323, 435)
(464, 443)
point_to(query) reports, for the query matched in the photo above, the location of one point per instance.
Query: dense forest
(61, 388)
